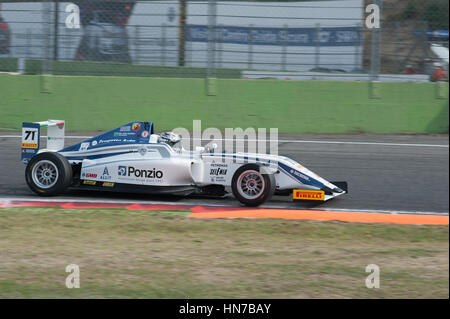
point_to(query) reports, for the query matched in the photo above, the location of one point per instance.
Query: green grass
(157, 254)
(100, 103)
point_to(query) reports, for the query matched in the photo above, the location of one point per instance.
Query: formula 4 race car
(132, 158)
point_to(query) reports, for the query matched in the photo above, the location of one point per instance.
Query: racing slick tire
(251, 187)
(48, 174)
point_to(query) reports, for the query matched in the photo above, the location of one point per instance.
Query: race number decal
(30, 137)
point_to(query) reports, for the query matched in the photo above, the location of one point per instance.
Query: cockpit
(170, 138)
(174, 141)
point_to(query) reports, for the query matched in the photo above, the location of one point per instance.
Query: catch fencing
(227, 39)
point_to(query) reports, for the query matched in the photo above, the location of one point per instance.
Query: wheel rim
(44, 174)
(250, 184)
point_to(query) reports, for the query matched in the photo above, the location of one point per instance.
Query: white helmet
(169, 138)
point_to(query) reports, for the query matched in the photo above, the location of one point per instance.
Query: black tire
(261, 196)
(46, 164)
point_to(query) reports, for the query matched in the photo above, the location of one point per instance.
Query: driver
(169, 138)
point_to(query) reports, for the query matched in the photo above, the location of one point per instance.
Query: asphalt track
(392, 173)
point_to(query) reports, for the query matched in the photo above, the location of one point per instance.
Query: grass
(100, 103)
(140, 254)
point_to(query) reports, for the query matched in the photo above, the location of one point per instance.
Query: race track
(384, 172)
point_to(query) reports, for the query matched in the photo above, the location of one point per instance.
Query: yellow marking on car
(308, 194)
(29, 145)
(108, 184)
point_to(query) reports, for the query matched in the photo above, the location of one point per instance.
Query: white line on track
(287, 141)
(191, 203)
(364, 143)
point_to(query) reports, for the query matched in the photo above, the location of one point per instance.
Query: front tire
(251, 187)
(48, 174)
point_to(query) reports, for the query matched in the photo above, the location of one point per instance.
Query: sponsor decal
(136, 127)
(144, 134)
(218, 165)
(94, 143)
(105, 175)
(308, 194)
(89, 182)
(217, 171)
(142, 151)
(299, 174)
(91, 175)
(108, 184)
(126, 128)
(123, 134)
(29, 145)
(122, 171)
(140, 173)
(110, 140)
(84, 146)
(113, 140)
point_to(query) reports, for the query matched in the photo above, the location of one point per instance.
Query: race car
(133, 158)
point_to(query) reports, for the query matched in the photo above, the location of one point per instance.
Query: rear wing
(31, 137)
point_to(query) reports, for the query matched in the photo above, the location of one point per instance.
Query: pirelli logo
(29, 145)
(308, 195)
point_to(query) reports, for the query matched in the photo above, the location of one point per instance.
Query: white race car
(132, 158)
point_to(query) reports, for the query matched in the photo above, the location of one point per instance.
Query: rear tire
(251, 187)
(48, 174)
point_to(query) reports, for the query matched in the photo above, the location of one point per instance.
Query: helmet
(169, 138)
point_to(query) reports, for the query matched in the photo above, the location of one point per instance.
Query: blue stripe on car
(291, 172)
(75, 158)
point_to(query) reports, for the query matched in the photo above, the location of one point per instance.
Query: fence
(226, 39)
